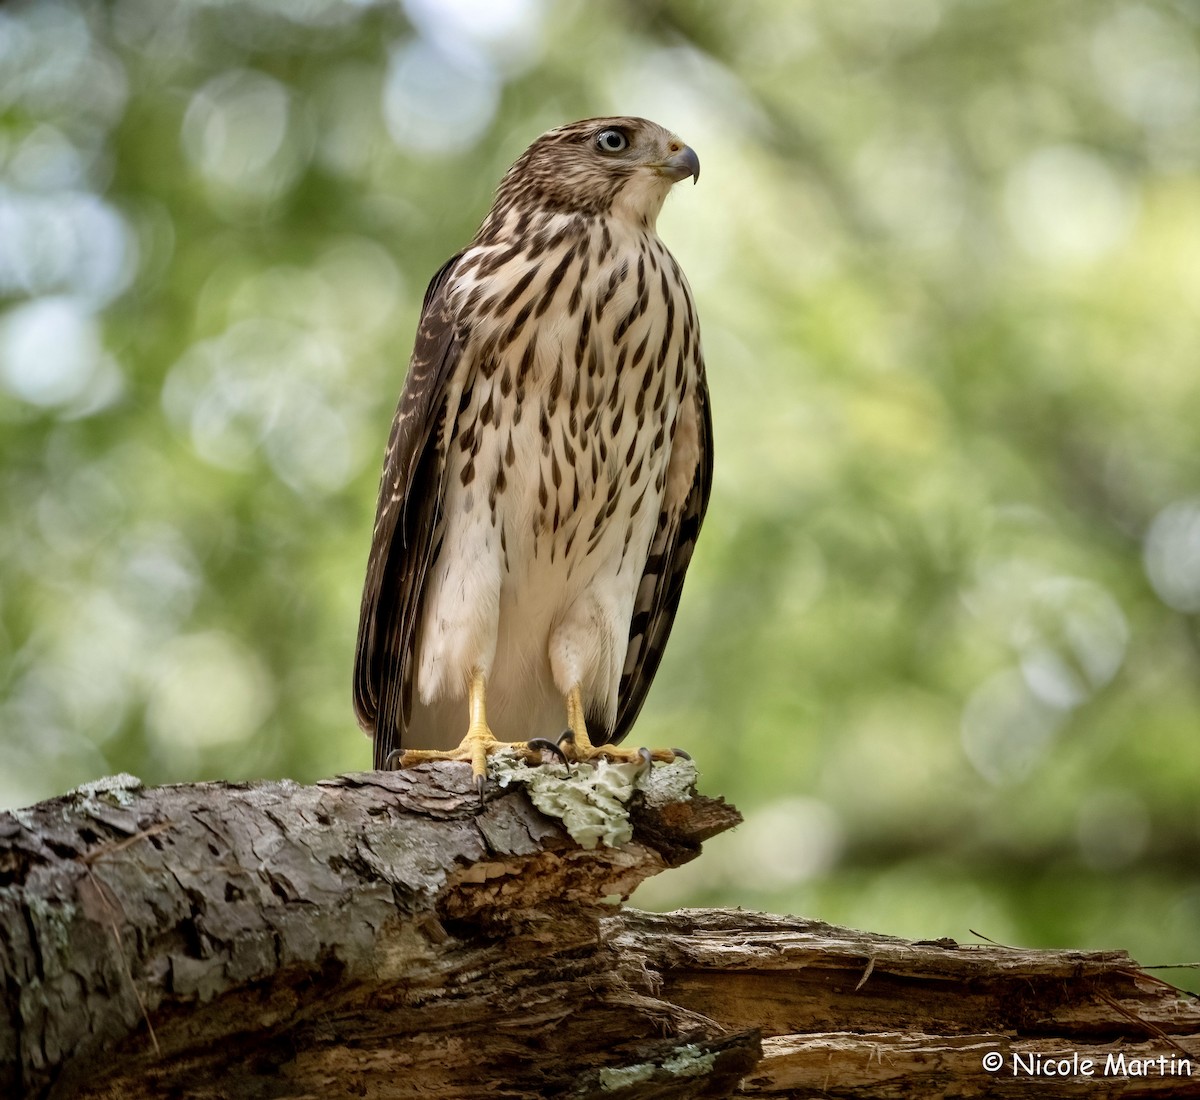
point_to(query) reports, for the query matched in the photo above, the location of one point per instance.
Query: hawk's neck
(541, 227)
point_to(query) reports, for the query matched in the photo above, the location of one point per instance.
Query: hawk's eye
(611, 141)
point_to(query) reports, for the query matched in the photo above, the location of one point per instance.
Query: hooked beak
(681, 165)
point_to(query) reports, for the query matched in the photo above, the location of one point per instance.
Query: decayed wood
(380, 935)
(855, 1014)
(375, 934)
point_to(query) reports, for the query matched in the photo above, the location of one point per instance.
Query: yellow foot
(577, 745)
(589, 753)
(474, 749)
(479, 743)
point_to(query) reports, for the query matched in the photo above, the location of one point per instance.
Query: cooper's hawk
(548, 468)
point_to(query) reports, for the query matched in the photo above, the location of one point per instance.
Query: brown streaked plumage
(549, 464)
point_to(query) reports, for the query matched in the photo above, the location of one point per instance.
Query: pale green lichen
(592, 800)
(52, 922)
(687, 1061)
(612, 1080)
(118, 787)
(25, 818)
(665, 784)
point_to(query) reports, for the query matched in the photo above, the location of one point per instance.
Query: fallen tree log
(383, 935)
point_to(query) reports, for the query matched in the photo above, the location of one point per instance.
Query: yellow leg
(479, 734)
(576, 722)
(583, 749)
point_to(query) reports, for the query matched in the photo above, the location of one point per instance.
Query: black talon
(680, 752)
(646, 758)
(546, 745)
(390, 764)
(481, 786)
(567, 737)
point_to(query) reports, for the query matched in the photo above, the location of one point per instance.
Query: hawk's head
(620, 166)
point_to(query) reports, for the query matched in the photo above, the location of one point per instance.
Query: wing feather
(662, 580)
(407, 521)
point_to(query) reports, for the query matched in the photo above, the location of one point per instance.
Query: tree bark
(382, 935)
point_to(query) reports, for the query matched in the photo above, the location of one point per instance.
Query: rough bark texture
(379, 935)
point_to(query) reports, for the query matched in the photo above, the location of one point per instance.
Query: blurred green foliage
(940, 642)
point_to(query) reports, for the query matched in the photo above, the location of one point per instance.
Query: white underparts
(557, 469)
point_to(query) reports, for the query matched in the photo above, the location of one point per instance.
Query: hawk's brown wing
(662, 580)
(407, 519)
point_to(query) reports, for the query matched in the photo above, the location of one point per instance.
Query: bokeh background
(940, 642)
